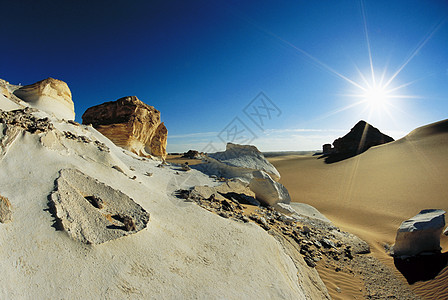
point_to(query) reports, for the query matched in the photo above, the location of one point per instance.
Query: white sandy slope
(185, 251)
(50, 95)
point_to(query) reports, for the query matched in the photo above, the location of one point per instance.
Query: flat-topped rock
(420, 233)
(130, 124)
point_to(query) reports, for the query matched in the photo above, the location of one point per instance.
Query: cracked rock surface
(93, 212)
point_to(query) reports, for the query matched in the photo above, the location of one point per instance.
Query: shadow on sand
(335, 157)
(421, 268)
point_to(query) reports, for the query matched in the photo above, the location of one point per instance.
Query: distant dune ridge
(371, 194)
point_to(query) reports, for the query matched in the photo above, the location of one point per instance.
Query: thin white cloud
(292, 130)
(194, 135)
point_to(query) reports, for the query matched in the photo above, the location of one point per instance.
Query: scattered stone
(24, 119)
(95, 201)
(420, 233)
(185, 167)
(5, 210)
(129, 224)
(118, 169)
(148, 174)
(327, 243)
(310, 262)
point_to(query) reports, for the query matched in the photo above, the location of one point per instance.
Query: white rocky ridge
(238, 161)
(184, 251)
(50, 95)
(420, 233)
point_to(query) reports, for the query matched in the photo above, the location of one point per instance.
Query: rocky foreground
(81, 216)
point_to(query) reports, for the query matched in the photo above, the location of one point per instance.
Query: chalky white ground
(185, 251)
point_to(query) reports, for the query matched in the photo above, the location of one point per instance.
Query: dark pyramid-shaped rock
(360, 138)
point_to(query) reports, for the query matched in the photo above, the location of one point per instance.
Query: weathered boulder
(360, 138)
(238, 161)
(420, 233)
(5, 210)
(191, 154)
(50, 95)
(267, 190)
(130, 124)
(93, 212)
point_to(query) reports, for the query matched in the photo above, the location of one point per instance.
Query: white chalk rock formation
(184, 252)
(238, 161)
(420, 233)
(50, 95)
(267, 190)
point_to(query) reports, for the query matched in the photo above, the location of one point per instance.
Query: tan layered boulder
(130, 124)
(50, 95)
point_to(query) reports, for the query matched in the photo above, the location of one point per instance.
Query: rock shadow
(240, 198)
(422, 267)
(336, 157)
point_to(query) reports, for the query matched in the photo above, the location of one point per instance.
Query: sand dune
(372, 193)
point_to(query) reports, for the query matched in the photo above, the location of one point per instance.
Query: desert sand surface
(372, 193)
(178, 159)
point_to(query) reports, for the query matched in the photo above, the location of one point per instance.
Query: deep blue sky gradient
(201, 62)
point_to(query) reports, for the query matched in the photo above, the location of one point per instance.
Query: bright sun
(376, 97)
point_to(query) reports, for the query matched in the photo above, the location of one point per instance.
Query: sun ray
(364, 18)
(416, 51)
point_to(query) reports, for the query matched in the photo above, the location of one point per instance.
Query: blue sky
(203, 64)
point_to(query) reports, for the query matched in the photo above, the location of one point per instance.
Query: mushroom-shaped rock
(420, 233)
(50, 95)
(267, 190)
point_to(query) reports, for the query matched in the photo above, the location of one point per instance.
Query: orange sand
(371, 194)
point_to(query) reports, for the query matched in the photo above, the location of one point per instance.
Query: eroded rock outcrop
(360, 138)
(93, 212)
(420, 233)
(267, 190)
(50, 95)
(130, 124)
(238, 161)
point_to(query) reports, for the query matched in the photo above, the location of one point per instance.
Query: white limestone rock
(420, 233)
(267, 190)
(238, 161)
(50, 95)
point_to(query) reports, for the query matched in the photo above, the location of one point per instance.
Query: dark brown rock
(360, 138)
